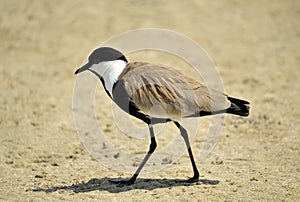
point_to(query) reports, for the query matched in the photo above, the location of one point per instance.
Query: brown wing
(162, 92)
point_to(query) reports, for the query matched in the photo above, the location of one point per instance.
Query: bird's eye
(93, 61)
(96, 61)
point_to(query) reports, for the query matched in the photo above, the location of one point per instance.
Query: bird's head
(100, 59)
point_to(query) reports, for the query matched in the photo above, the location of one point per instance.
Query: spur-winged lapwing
(157, 94)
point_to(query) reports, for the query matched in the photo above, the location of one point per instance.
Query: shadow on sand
(103, 184)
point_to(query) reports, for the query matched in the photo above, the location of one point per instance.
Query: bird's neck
(111, 73)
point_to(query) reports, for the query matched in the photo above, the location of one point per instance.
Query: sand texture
(255, 46)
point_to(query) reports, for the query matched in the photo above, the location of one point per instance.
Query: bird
(157, 94)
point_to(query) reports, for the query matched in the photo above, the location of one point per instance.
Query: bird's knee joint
(153, 146)
(183, 132)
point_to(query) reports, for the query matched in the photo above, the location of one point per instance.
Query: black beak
(83, 68)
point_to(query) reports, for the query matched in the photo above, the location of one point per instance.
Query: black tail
(238, 107)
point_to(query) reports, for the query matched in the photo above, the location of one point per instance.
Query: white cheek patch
(99, 68)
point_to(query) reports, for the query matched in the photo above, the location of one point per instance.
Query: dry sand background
(256, 46)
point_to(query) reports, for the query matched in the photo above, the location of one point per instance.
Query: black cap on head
(105, 54)
(102, 54)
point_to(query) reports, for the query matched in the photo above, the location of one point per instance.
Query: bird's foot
(123, 182)
(190, 180)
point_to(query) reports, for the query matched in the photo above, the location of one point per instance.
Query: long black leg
(150, 151)
(184, 134)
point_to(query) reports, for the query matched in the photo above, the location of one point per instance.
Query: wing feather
(162, 92)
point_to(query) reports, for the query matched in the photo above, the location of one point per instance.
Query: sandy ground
(255, 46)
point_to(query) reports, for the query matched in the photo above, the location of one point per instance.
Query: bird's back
(162, 92)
